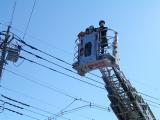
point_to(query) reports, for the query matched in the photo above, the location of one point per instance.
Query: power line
(25, 32)
(33, 98)
(68, 105)
(34, 48)
(63, 109)
(22, 108)
(15, 100)
(43, 109)
(11, 104)
(30, 106)
(152, 102)
(33, 106)
(40, 84)
(66, 94)
(62, 112)
(75, 109)
(62, 66)
(75, 77)
(79, 108)
(55, 90)
(37, 56)
(69, 111)
(19, 113)
(54, 70)
(149, 96)
(69, 63)
(11, 90)
(11, 110)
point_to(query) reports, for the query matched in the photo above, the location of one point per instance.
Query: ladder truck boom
(93, 53)
(126, 103)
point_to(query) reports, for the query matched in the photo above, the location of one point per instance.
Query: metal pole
(3, 50)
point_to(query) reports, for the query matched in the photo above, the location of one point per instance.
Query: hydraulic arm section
(126, 103)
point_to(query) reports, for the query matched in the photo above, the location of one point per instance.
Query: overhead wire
(63, 109)
(69, 105)
(54, 70)
(149, 96)
(14, 100)
(152, 102)
(73, 76)
(60, 114)
(62, 66)
(79, 108)
(34, 48)
(139, 92)
(48, 111)
(75, 109)
(42, 58)
(93, 74)
(56, 90)
(41, 84)
(27, 105)
(67, 62)
(39, 57)
(19, 113)
(27, 96)
(43, 109)
(22, 108)
(102, 108)
(70, 111)
(25, 32)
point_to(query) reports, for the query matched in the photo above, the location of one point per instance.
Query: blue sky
(54, 27)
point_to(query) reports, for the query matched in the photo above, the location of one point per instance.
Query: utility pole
(7, 53)
(3, 48)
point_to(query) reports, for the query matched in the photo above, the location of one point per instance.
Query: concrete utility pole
(3, 49)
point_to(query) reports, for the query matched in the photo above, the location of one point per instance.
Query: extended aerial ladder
(126, 102)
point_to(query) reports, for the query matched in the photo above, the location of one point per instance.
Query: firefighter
(103, 35)
(87, 31)
(91, 29)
